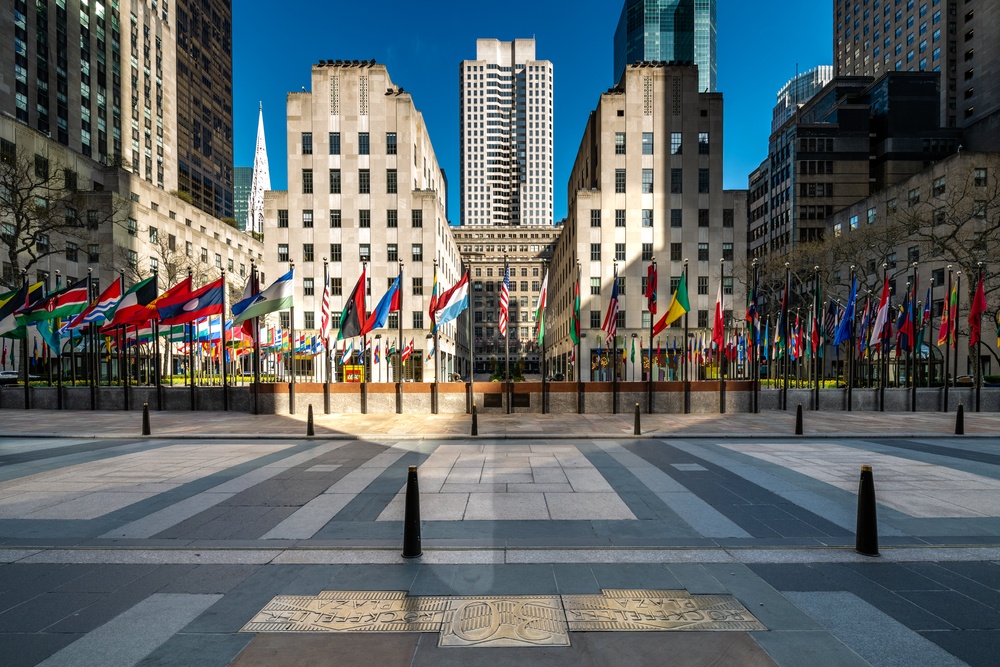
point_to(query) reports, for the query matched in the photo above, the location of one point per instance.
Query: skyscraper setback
(505, 135)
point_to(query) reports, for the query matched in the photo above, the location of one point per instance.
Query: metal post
(882, 349)
(652, 308)
(954, 324)
(784, 338)
(254, 289)
(291, 350)
(851, 353)
(913, 341)
(979, 348)
(754, 348)
(931, 343)
(506, 342)
(222, 351)
(946, 310)
(579, 346)
(325, 335)
(614, 354)
(400, 346)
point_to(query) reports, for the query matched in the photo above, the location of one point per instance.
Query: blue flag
(846, 328)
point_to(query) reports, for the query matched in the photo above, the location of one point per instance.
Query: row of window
(676, 143)
(597, 318)
(702, 284)
(364, 218)
(363, 143)
(364, 252)
(676, 252)
(676, 181)
(676, 217)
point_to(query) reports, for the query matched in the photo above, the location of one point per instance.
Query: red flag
(651, 288)
(976, 313)
(719, 325)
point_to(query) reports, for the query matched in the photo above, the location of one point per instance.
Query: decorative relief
(647, 96)
(334, 95)
(363, 96)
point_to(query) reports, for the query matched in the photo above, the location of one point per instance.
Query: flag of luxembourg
(453, 301)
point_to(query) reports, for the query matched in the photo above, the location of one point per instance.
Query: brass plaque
(532, 620)
(637, 610)
(504, 621)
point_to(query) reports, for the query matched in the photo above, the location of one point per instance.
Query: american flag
(504, 300)
(610, 326)
(324, 315)
(831, 321)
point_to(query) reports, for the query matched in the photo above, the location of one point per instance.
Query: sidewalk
(775, 423)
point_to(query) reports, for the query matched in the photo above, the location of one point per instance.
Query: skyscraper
(670, 30)
(505, 135)
(241, 193)
(145, 86)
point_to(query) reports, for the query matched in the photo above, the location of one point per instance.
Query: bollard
(411, 520)
(475, 421)
(867, 533)
(638, 429)
(960, 420)
(309, 422)
(798, 420)
(145, 419)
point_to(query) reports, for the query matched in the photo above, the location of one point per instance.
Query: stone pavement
(122, 550)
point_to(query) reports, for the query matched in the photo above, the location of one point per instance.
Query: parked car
(13, 377)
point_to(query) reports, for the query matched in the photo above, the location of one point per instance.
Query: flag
(574, 328)
(924, 319)
(767, 339)
(260, 182)
(407, 351)
(831, 322)
(976, 313)
(632, 353)
(432, 308)
(651, 289)
(882, 315)
(389, 303)
(21, 298)
(189, 306)
(752, 316)
(719, 325)
(377, 353)
(610, 326)
(133, 308)
(678, 306)
(62, 303)
(451, 302)
(347, 352)
(279, 295)
(98, 311)
(780, 344)
(846, 328)
(904, 326)
(504, 301)
(543, 296)
(949, 312)
(324, 313)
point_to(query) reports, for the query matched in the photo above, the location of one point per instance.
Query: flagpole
(437, 372)
(190, 332)
(817, 314)
(930, 333)
(399, 349)
(684, 355)
(222, 352)
(946, 311)
(470, 401)
(543, 297)
(912, 336)
(721, 352)
(953, 323)
(578, 364)
(92, 359)
(614, 351)
(979, 343)
(256, 343)
(364, 341)
(754, 348)
(24, 345)
(291, 383)
(325, 337)
(650, 305)
(884, 343)
(506, 342)
(786, 357)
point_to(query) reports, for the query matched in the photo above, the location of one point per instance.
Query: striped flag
(324, 313)
(610, 326)
(504, 300)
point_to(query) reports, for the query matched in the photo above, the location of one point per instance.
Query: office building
(243, 176)
(797, 92)
(505, 135)
(680, 31)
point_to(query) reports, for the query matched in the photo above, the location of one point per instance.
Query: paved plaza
(554, 540)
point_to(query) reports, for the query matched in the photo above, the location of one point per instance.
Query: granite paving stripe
(204, 650)
(938, 450)
(104, 645)
(875, 636)
(815, 647)
(23, 649)
(59, 455)
(379, 492)
(975, 647)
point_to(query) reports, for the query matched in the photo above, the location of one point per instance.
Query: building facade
(505, 135)
(798, 91)
(528, 251)
(146, 87)
(242, 178)
(365, 191)
(646, 185)
(958, 39)
(682, 31)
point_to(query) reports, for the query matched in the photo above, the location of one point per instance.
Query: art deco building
(646, 183)
(146, 86)
(364, 189)
(505, 135)
(682, 31)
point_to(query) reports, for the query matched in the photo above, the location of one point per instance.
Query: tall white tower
(505, 126)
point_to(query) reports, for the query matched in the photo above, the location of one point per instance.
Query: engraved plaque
(349, 611)
(504, 621)
(636, 611)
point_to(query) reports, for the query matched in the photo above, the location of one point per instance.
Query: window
(307, 143)
(619, 217)
(619, 143)
(619, 180)
(871, 216)
(621, 285)
(647, 252)
(595, 319)
(647, 217)
(363, 143)
(307, 181)
(309, 319)
(188, 248)
(979, 209)
(307, 218)
(980, 177)
(676, 181)
(392, 252)
(418, 287)
(41, 167)
(364, 218)
(417, 218)
(133, 258)
(702, 252)
(595, 286)
(676, 252)
(154, 235)
(675, 143)
(647, 143)
(418, 319)
(390, 181)
(392, 218)
(204, 254)
(364, 181)
(595, 218)
(308, 286)
(727, 217)
(71, 252)
(913, 196)
(418, 252)
(913, 254)
(307, 252)
(335, 143)
(703, 180)
(703, 143)
(727, 286)
(336, 287)
(702, 284)
(93, 252)
(595, 252)
(702, 319)
(132, 227)
(939, 186)
(727, 251)
(620, 320)
(282, 218)
(365, 252)
(620, 252)
(853, 222)
(282, 252)
(390, 143)
(334, 181)
(335, 218)
(675, 217)
(393, 323)
(647, 181)
(703, 217)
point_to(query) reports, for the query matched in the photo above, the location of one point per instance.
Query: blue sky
(423, 43)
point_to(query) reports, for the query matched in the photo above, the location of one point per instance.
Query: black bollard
(411, 520)
(960, 420)
(309, 422)
(867, 537)
(638, 429)
(475, 421)
(798, 420)
(145, 419)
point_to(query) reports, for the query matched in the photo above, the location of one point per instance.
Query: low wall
(490, 398)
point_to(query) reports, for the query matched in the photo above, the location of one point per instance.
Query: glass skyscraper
(671, 30)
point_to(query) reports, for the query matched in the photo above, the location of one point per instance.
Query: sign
(354, 373)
